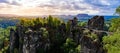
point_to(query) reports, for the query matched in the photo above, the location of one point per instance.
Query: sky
(58, 7)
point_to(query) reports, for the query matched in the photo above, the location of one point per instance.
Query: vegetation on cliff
(112, 42)
(4, 38)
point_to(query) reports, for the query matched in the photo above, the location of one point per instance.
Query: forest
(53, 35)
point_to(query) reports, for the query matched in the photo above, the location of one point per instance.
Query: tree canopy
(118, 10)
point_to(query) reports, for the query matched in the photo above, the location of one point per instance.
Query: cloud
(40, 7)
(101, 6)
(3, 1)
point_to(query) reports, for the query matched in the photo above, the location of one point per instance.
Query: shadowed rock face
(88, 45)
(12, 40)
(97, 22)
(27, 42)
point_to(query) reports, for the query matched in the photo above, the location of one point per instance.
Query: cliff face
(49, 39)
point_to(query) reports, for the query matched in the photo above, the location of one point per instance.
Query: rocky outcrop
(97, 22)
(90, 45)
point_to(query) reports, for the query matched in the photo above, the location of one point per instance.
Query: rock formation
(89, 45)
(49, 38)
(97, 22)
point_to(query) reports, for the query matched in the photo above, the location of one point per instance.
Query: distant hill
(66, 17)
(82, 15)
(8, 15)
